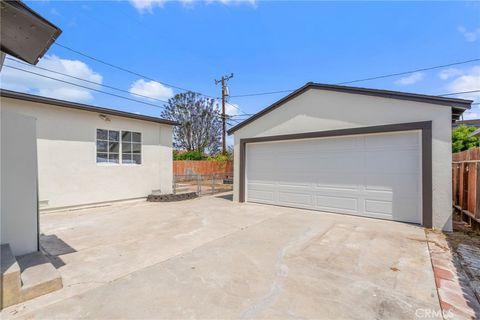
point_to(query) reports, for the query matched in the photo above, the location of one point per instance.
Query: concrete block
(38, 276)
(10, 277)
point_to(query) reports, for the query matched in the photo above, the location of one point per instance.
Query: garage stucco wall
(322, 110)
(67, 169)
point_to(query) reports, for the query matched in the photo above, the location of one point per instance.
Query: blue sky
(269, 46)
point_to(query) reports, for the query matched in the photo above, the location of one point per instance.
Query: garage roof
(458, 105)
(81, 106)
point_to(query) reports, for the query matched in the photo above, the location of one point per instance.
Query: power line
(89, 81)
(412, 71)
(231, 104)
(456, 93)
(367, 79)
(242, 115)
(127, 70)
(78, 85)
(261, 93)
(108, 86)
(89, 88)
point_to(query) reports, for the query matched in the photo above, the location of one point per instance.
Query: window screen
(131, 147)
(108, 146)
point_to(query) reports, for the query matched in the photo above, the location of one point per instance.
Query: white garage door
(375, 175)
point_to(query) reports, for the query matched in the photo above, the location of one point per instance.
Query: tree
(461, 140)
(200, 127)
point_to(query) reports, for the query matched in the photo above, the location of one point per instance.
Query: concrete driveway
(212, 258)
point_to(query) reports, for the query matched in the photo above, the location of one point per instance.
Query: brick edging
(456, 299)
(172, 197)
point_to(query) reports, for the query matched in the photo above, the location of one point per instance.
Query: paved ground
(211, 258)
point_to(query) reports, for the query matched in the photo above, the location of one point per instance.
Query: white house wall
(68, 172)
(18, 209)
(321, 110)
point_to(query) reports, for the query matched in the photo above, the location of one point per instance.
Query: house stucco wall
(67, 169)
(321, 110)
(18, 191)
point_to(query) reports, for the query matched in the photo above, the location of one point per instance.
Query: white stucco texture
(19, 214)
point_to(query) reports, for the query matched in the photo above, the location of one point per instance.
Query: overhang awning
(24, 33)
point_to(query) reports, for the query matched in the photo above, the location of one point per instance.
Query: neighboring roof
(458, 105)
(469, 123)
(25, 34)
(80, 106)
(475, 133)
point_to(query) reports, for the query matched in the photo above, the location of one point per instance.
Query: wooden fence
(201, 167)
(466, 185)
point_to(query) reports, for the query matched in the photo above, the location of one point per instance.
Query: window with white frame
(108, 146)
(131, 147)
(113, 147)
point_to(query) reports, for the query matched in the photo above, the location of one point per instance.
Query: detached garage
(366, 152)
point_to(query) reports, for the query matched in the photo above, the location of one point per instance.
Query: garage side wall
(321, 110)
(67, 168)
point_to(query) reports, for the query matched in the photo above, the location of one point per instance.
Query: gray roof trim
(458, 105)
(81, 106)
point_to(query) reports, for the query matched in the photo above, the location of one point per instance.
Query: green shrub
(220, 157)
(188, 155)
(461, 140)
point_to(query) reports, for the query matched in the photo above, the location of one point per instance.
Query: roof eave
(460, 105)
(81, 106)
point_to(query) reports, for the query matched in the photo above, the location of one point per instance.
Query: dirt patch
(465, 244)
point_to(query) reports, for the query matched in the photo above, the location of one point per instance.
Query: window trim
(120, 153)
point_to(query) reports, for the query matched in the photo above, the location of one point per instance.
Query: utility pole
(225, 94)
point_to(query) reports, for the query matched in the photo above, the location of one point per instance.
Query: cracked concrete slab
(211, 258)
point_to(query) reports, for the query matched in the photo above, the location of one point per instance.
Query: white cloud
(468, 81)
(411, 79)
(473, 113)
(151, 89)
(17, 80)
(148, 5)
(227, 2)
(470, 36)
(449, 73)
(231, 109)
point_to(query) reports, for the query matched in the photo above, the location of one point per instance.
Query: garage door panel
(375, 175)
(324, 202)
(392, 161)
(399, 184)
(261, 196)
(406, 209)
(378, 206)
(294, 184)
(303, 199)
(339, 162)
(333, 180)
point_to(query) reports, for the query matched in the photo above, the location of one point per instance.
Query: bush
(461, 140)
(220, 157)
(188, 155)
